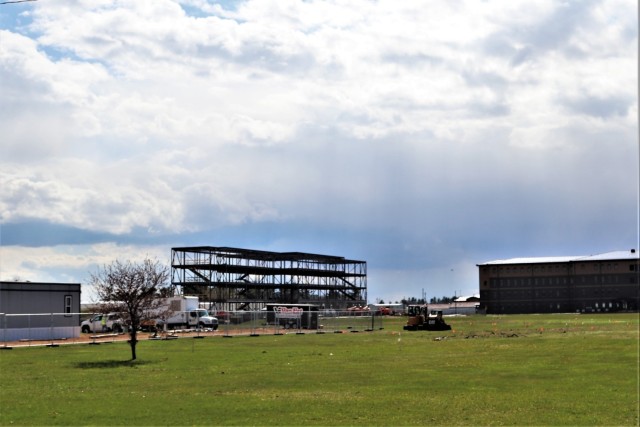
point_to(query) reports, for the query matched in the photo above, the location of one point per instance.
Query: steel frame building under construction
(246, 279)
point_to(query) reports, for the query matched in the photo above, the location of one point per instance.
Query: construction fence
(54, 328)
(323, 321)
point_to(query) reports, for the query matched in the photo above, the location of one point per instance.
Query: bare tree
(131, 289)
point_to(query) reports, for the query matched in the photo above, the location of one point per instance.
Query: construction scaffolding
(246, 279)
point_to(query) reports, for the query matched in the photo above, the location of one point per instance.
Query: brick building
(605, 282)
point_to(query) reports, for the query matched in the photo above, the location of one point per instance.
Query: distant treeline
(433, 300)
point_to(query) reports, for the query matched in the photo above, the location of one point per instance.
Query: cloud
(39, 233)
(600, 107)
(406, 135)
(71, 263)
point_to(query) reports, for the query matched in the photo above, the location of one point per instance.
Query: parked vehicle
(111, 322)
(181, 312)
(385, 311)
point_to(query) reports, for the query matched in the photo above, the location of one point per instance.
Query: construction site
(231, 279)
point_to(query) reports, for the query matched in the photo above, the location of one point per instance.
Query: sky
(423, 137)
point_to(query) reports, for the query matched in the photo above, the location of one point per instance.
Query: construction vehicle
(179, 312)
(421, 320)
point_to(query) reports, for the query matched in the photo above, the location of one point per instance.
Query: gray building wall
(31, 310)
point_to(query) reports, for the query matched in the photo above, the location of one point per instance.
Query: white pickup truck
(111, 322)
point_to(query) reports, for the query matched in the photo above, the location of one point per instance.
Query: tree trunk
(133, 341)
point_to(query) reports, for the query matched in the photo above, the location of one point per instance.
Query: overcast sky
(423, 137)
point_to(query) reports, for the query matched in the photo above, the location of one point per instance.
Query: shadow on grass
(105, 364)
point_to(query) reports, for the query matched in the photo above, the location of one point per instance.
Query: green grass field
(507, 370)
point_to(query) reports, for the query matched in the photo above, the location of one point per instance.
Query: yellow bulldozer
(419, 319)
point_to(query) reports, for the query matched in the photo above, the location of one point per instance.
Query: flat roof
(27, 284)
(265, 255)
(607, 256)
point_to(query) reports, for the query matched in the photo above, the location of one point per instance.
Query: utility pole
(455, 303)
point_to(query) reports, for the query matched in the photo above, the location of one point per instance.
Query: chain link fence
(57, 328)
(38, 327)
(274, 323)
